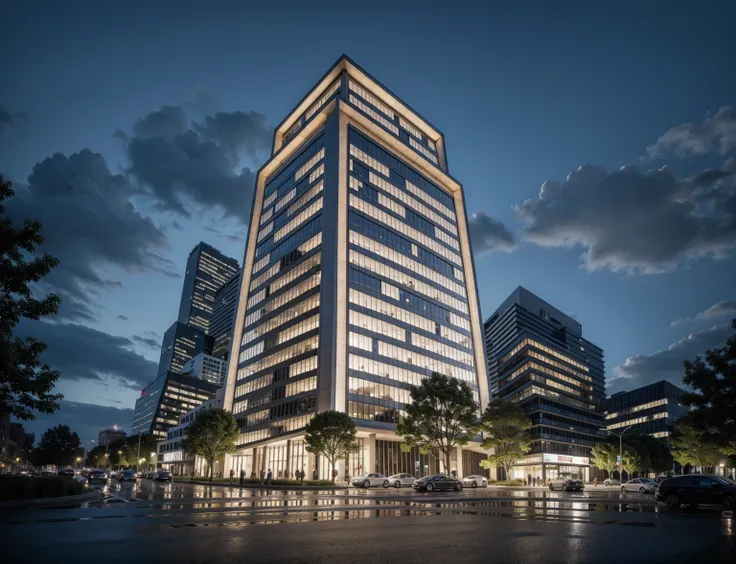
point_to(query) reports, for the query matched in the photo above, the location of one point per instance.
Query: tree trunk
(446, 454)
(332, 474)
(211, 463)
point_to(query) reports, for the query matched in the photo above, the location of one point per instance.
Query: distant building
(206, 367)
(223, 317)
(5, 438)
(172, 457)
(207, 270)
(180, 344)
(539, 359)
(162, 402)
(107, 436)
(649, 410)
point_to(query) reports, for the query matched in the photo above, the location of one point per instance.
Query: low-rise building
(649, 410)
(108, 436)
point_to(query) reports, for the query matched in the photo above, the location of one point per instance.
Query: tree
(443, 415)
(58, 446)
(605, 456)
(693, 447)
(505, 429)
(25, 384)
(212, 434)
(96, 457)
(713, 399)
(331, 434)
(630, 461)
(658, 459)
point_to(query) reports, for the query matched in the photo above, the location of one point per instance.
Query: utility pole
(138, 460)
(620, 451)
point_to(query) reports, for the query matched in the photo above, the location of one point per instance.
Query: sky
(596, 145)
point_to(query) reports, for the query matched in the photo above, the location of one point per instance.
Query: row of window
(380, 391)
(304, 240)
(292, 389)
(286, 172)
(284, 317)
(293, 370)
(299, 219)
(370, 98)
(582, 375)
(636, 421)
(365, 108)
(284, 336)
(359, 410)
(281, 428)
(314, 108)
(308, 195)
(545, 349)
(543, 369)
(636, 408)
(531, 390)
(417, 147)
(290, 275)
(283, 355)
(400, 354)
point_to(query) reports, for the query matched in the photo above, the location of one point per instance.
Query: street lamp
(620, 450)
(140, 461)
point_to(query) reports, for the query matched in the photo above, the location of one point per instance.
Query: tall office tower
(207, 270)
(223, 317)
(539, 359)
(180, 344)
(358, 281)
(651, 410)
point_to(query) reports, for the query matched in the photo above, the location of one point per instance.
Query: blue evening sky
(524, 93)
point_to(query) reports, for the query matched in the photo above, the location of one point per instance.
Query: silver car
(475, 481)
(641, 485)
(371, 480)
(566, 484)
(399, 481)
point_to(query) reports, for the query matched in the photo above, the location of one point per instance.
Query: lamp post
(620, 450)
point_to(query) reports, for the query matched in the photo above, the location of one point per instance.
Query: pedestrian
(539, 480)
(232, 475)
(268, 477)
(301, 477)
(242, 477)
(529, 479)
(595, 482)
(315, 475)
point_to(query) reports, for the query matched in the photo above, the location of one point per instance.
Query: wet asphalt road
(147, 522)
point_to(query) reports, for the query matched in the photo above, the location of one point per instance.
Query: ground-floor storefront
(551, 466)
(377, 452)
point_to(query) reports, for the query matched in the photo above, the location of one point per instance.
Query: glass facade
(651, 410)
(180, 344)
(223, 317)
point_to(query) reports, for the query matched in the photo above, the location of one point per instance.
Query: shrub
(14, 488)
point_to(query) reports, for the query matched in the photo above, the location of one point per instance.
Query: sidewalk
(236, 484)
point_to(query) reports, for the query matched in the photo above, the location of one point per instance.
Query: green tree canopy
(58, 446)
(713, 399)
(605, 456)
(631, 461)
(443, 415)
(25, 384)
(693, 447)
(213, 433)
(331, 434)
(505, 429)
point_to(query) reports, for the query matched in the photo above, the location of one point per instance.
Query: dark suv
(695, 489)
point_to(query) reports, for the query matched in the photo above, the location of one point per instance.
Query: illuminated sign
(564, 459)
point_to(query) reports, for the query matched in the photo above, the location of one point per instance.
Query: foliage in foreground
(15, 488)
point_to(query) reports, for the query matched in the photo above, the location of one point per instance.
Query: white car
(641, 485)
(475, 481)
(611, 482)
(399, 481)
(371, 480)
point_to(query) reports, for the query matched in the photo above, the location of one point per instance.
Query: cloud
(90, 225)
(84, 418)
(717, 132)
(10, 120)
(724, 308)
(667, 364)
(182, 163)
(488, 234)
(634, 221)
(85, 354)
(149, 342)
(123, 317)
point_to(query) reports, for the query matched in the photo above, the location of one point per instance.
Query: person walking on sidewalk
(232, 475)
(242, 477)
(268, 477)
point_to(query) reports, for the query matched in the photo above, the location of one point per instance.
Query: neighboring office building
(358, 282)
(539, 359)
(180, 344)
(170, 455)
(107, 436)
(162, 402)
(207, 270)
(223, 317)
(649, 410)
(205, 367)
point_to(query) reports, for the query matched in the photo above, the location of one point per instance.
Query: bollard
(727, 526)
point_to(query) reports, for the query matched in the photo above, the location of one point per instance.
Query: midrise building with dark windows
(223, 317)
(358, 281)
(207, 271)
(162, 402)
(107, 436)
(538, 358)
(649, 410)
(180, 344)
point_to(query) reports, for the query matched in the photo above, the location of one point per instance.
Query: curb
(51, 501)
(235, 484)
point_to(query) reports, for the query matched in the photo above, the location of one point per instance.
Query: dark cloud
(83, 353)
(89, 223)
(200, 163)
(488, 234)
(84, 418)
(724, 308)
(149, 342)
(717, 132)
(667, 364)
(633, 221)
(10, 120)
(123, 317)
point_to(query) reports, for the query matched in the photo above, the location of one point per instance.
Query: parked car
(127, 475)
(475, 481)
(694, 489)
(641, 485)
(566, 484)
(97, 476)
(369, 480)
(66, 472)
(438, 482)
(163, 476)
(611, 482)
(399, 481)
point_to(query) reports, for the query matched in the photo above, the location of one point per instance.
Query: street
(147, 522)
